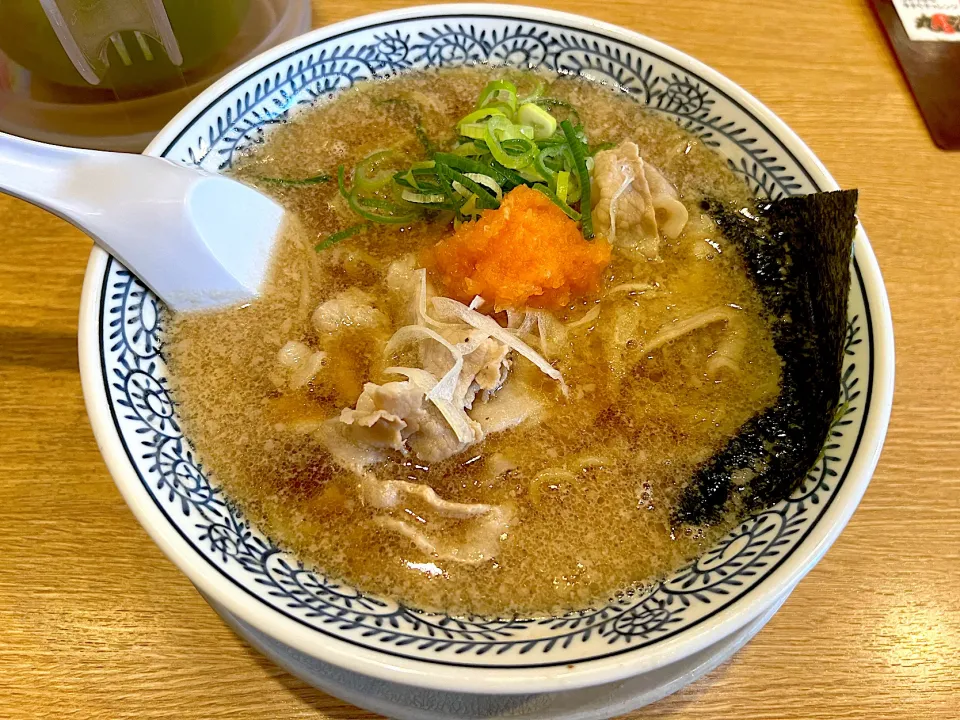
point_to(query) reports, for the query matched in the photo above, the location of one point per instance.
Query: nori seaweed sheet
(797, 251)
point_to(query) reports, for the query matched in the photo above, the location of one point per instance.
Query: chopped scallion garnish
(422, 198)
(503, 143)
(544, 124)
(569, 211)
(563, 185)
(485, 198)
(476, 118)
(468, 165)
(507, 145)
(364, 206)
(314, 180)
(499, 91)
(341, 235)
(583, 177)
(555, 104)
(550, 160)
(368, 175)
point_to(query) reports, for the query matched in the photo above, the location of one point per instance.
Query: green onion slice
(418, 175)
(341, 235)
(480, 115)
(293, 182)
(507, 145)
(514, 153)
(508, 179)
(368, 176)
(485, 198)
(470, 149)
(468, 165)
(570, 110)
(527, 131)
(556, 139)
(529, 175)
(406, 179)
(583, 178)
(420, 166)
(506, 130)
(568, 211)
(543, 123)
(573, 190)
(550, 160)
(423, 198)
(394, 213)
(489, 183)
(508, 109)
(499, 91)
(562, 185)
(377, 203)
(474, 131)
(469, 209)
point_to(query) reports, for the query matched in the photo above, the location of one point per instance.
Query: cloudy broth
(591, 486)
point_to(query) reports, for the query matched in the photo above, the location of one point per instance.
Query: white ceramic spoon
(197, 240)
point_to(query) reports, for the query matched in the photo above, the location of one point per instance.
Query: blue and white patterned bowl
(163, 480)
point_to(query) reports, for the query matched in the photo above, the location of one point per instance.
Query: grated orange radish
(526, 253)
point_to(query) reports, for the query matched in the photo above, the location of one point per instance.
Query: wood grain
(929, 67)
(96, 623)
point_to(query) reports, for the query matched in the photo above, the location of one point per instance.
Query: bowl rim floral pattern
(440, 664)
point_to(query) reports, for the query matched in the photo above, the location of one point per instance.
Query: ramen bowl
(395, 659)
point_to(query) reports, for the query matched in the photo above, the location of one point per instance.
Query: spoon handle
(196, 239)
(32, 171)
(88, 188)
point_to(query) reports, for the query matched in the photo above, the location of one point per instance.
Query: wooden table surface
(95, 622)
